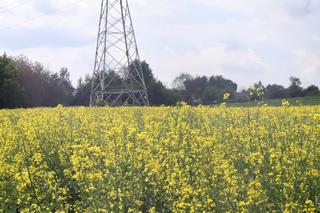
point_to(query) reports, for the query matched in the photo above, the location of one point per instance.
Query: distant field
(277, 102)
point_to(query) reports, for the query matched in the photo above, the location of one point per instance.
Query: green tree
(311, 91)
(195, 89)
(203, 89)
(157, 92)
(179, 81)
(82, 92)
(220, 86)
(10, 90)
(42, 87)
(256, 92)
(60, 89)
(276, 91)
(295, 89)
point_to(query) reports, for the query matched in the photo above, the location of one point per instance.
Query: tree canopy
(24, 83)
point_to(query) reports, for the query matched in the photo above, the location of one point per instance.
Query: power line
(9, 6)
(42, 15)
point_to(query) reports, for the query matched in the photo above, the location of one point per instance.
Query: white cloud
(147, 8)
(308, 64)
(218, 60)
(245, 40)
(76, 59)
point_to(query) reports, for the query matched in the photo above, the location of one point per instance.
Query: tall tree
(34, 80)
(219, 85)
(276, 91)
(40, 86)
(179, 81)
(82, 92)
(157, 92)
(311, 91)
(195, 89)
(203, 90)
(295, 89)
(60, 88)
(257, 92)
(10, 90)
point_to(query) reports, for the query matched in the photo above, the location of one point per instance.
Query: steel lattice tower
(117, 78)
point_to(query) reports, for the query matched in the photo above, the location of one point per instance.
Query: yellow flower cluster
(166, 159)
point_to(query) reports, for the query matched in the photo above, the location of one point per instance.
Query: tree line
(24, 84)
(258, 91)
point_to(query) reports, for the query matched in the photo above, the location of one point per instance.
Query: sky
(243, 40)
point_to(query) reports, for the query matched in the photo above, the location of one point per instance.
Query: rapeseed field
(162, 159)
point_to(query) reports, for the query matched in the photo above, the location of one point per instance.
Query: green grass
(310, 101)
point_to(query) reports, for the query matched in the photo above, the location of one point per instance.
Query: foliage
(179, 81)
(203, 90)
(24, 83)
(295, 89)
(157, 92)
(256, 92)
(40, 86)
(82, 93)
(311, 91)
(276, 91)
(166, 159)
(10, 90)
(306, 101)
(273, 91)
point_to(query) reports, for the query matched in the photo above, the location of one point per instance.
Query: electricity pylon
(117, 77)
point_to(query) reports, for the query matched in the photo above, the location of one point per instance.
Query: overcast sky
(243, 40)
